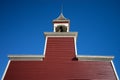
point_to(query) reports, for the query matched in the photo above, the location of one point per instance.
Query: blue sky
(22, 23)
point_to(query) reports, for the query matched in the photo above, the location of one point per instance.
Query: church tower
(60, 60)
(61, 43)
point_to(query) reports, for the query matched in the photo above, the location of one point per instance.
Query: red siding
(58, 65)
(60, 49)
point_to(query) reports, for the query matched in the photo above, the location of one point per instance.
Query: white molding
(115, 70)
(45, 45)
(63, 34)
(54, 28)
(5, 70)
(75, 45)
(26, 57)
(54, 21)
(94, 58)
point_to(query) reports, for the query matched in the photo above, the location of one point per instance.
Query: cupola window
(61, 28)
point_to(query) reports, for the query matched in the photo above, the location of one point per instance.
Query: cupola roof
(60, 18)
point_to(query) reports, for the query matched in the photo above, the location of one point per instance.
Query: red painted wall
(60, 49)
(59, 65)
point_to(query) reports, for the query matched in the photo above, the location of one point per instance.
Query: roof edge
(61, 20)
(26, 57)
(94, 58)
(59, 34)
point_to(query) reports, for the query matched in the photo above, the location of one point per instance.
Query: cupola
(61, 24)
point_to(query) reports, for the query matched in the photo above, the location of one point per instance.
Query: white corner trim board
(115, 70)
(5, 70)
(75, 44)
(94, 58)
(45, 45)
(26, 57)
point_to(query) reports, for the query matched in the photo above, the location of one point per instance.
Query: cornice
(26, 57)
(95, 58)
(63, 34)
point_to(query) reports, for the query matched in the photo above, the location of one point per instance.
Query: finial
(61, 16)
(61, 8)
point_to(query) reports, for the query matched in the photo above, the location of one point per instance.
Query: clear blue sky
(22, 23)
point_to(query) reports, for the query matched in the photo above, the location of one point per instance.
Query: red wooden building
(60, 60)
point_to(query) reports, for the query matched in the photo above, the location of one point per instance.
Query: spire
(61, 17)
(62, 8)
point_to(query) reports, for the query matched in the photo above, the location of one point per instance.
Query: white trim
(75, 45)
(115, 70)
(54, 28)
(65, 34)
(26, 57)
(5, 70)
(94, 58)
(45, 45)
(54, 21)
